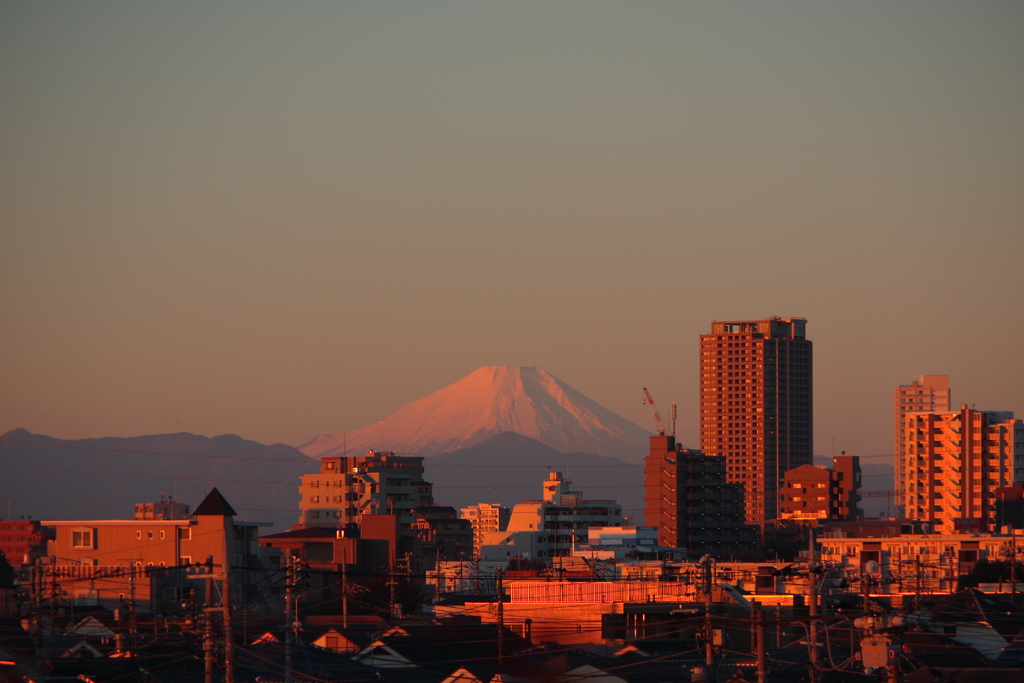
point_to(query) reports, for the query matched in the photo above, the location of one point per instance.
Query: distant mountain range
(103, 478)
(494, 400)
(492, 437)
(511, 467)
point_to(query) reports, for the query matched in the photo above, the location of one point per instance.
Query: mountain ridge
(114, 473)
(492, 400)
(509, 467)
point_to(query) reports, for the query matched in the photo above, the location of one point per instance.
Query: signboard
(967, 524)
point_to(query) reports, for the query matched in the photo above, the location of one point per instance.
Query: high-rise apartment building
(930, 394)
(756, 405)
(688, 499)
(954, 462)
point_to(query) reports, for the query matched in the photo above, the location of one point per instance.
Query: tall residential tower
(929, 395)
(756, 405)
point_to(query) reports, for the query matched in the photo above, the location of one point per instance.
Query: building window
(151, 535)
(83, 538)
(162, 536)
(138, 535)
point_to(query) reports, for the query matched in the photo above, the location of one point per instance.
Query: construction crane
(878, 494)
(657, 415)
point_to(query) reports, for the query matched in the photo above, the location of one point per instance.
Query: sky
(282, 219)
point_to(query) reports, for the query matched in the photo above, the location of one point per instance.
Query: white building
(552, 527)
(485, 518)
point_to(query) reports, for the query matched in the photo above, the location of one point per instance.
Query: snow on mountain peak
(492, 400)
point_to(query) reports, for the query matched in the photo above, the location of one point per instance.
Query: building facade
(22, 541)
(924, 562)
(443, 534)
(347, 488)
(815, 492)
(148, 561)
(691, 503)
(485, 518)
(756, 405)
(553, 527)
(165, 509)
(953, 463)
(930, 394)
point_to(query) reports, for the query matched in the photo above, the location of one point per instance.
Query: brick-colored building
(953, 463)
(347, 488)
(104, 561)
(688, 499)
(812, 492)
(22, 541)
(756, 405)
(930, 394)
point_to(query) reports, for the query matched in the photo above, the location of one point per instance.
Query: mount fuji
(494, 400)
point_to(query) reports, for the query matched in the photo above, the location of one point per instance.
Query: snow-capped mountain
(492, 400)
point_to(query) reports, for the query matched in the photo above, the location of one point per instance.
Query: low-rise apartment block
(485, 518)
(107, 561)
(815, 492)
(378, 483)
(541, 529)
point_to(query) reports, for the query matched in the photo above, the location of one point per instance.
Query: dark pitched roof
(299, 534)
(215, 504)
(971, 605)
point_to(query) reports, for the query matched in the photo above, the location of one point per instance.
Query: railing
(93, 571)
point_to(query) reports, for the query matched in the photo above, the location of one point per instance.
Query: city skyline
(278, 223)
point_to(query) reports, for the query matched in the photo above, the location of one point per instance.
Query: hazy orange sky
(280, 219)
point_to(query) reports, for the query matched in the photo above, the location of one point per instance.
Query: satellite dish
(871, 567)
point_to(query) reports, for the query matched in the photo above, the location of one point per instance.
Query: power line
(311, 461)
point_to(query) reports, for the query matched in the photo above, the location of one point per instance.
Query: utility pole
(36, 581)
(395, 609)
(54, 597)
(208, 627)
(812, 612)
(344, 587)
(289, 577)
(207, 645)
(229, 641)
(1013, 566)
(132, 621)
(758, 616)
(501, 620)
(709, 631)
(917, 584)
